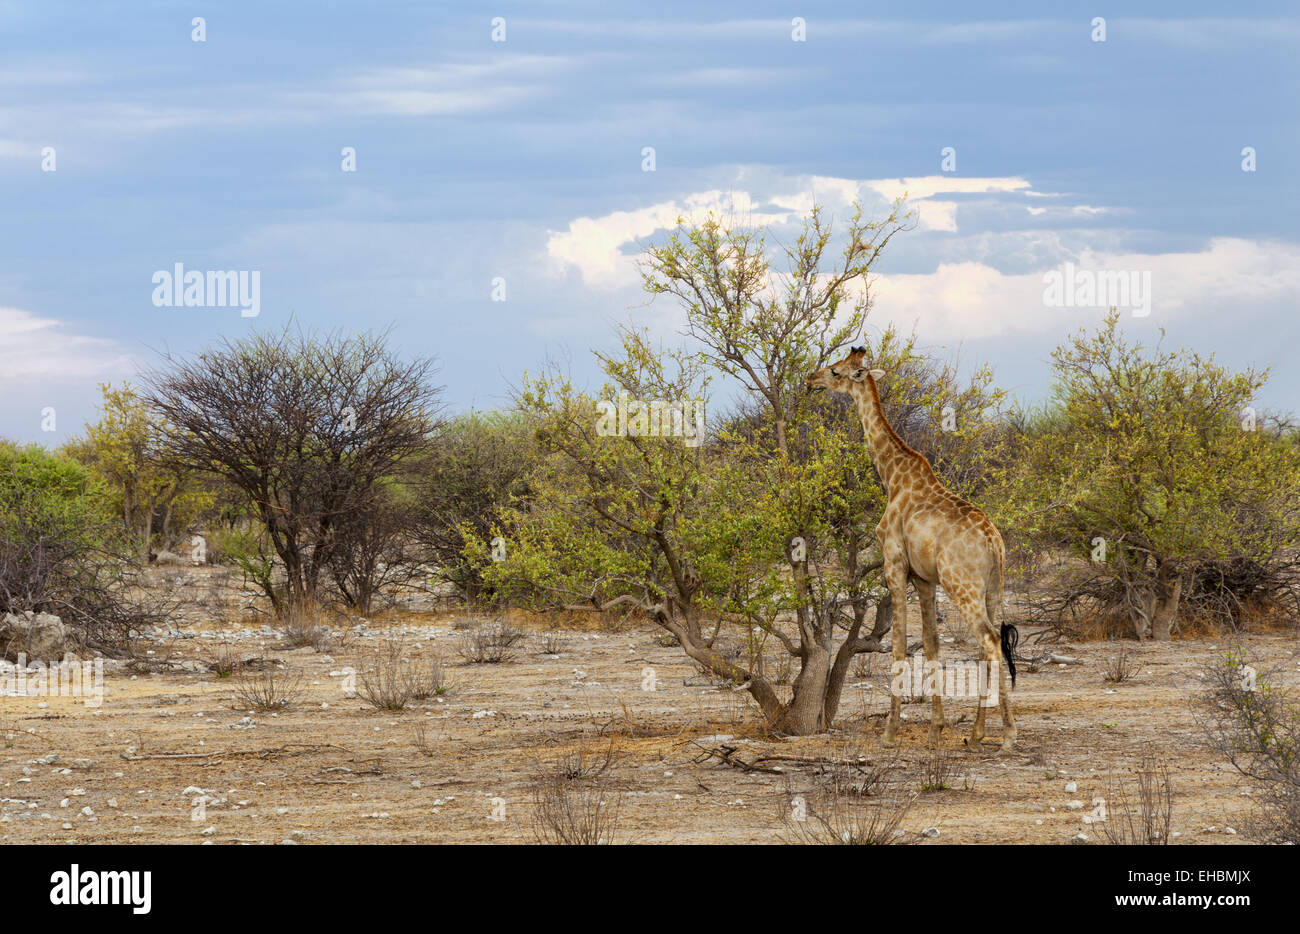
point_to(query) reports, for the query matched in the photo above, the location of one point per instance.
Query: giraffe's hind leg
(974, 612)
(1004, 681)
(930, 636)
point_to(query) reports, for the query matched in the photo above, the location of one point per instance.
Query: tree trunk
(805, 714)
(167, 524)
(1169, 590)
(849, 650)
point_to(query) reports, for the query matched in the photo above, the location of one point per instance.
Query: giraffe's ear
(877, 374)
(858, 374)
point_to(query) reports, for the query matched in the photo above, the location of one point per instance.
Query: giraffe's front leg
(896, 581)
(930, 636)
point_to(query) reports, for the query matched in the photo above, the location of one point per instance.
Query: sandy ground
(332, 769)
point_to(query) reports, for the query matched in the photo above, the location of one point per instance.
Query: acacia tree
(373, 549)
(1151, 464)
(767, 527)
(477, 463)
(62, 550)
(767, 330)
(308, 428)
(124, 450)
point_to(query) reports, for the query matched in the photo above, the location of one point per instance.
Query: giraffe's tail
(1010, 638)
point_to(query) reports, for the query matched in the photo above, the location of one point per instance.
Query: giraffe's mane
(889, 429)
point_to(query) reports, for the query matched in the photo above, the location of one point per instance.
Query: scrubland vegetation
(1145, 499)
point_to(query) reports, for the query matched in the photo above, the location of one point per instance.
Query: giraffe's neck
(892, 457)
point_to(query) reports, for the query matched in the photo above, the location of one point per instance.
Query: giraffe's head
(841, 376)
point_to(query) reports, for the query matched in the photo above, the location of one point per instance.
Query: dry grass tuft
(492, 645)
(390, 679)
(1140, 815)
(268, 690)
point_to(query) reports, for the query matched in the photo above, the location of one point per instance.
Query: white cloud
(441, 89)
(974, 299)
(452, 88)
(966, 294)
(34, 349)
(906, 32)
(597, 246)
(927, 186)
(594, 245)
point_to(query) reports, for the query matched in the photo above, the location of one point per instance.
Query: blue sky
(523, 160)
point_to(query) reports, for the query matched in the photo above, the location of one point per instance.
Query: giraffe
(930, 536)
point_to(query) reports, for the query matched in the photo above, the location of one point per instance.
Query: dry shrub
(302, 626)
(1255, 724)
(268, 690)
(1140, 815)
(858, 799)
(491, 645)
(390, 679)
(941, 770)
(864, 665)
(586, 763)
(837, 814)
(426, 740)
(573, 800)
(224, 660)
(1085, 603)
(859, 771)
(551, 643)
(1121, 665)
